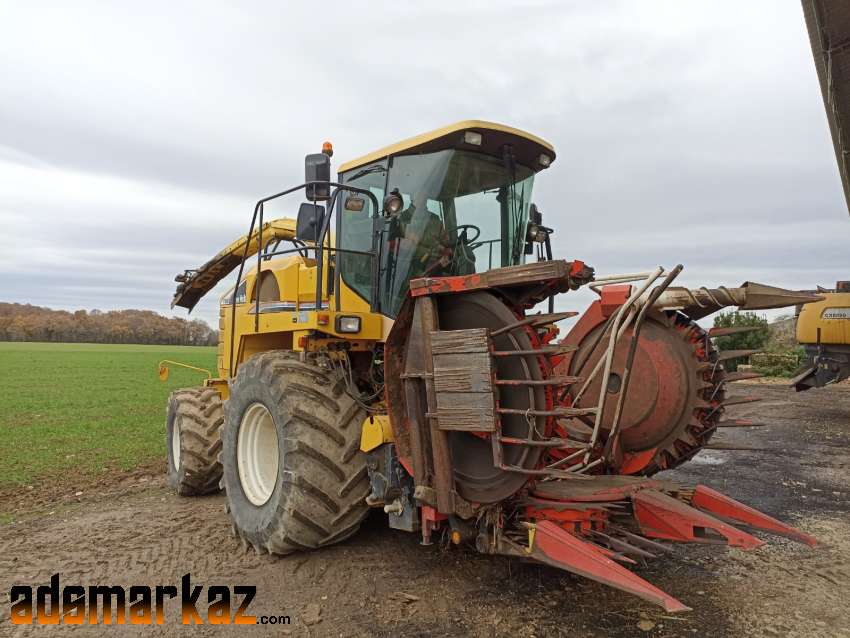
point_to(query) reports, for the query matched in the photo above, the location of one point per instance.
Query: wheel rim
(257, 454)
(175, 444)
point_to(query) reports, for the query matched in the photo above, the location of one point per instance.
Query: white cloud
(134, 139)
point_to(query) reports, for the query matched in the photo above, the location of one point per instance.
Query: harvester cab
(381, 351)
(460, 209)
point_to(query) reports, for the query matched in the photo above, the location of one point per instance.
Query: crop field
(84, 409)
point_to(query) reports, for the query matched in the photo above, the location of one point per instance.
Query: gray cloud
(135, 139)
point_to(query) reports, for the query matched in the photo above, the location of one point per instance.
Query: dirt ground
(131, 530)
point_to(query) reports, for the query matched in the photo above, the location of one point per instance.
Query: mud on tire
(193, 437)
(314, 487)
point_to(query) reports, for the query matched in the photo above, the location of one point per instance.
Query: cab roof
(526, 147)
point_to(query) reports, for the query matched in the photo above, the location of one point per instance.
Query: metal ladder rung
(552, 317)
(555, 412)
(552, 381)
(539, 351)
(553, 473)
(553, 443)
(534, 320)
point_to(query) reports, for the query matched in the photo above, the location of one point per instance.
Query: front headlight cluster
(347, 324)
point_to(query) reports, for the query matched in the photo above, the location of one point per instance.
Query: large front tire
(293, 471)
(193, 438)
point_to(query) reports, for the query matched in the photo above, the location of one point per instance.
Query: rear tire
(193, 437)
(293, 470)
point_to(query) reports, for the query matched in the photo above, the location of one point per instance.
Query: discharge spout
(701, 302)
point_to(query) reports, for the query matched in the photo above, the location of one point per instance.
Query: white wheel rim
(175, 443)
(257, 454)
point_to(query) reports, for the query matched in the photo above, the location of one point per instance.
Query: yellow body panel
(350, 300)
(831, 316)
(282, 328)
(375, 431)
(412, 143)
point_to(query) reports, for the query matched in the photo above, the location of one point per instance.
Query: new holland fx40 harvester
(380, 351)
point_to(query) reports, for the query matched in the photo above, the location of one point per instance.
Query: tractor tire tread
(201, 415)
(324, 473)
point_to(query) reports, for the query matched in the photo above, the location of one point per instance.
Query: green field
(81, 409)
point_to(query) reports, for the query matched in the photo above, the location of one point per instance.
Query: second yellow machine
(823, 329)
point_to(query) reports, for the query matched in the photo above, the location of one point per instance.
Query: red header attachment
(613, 297)
(721, 505)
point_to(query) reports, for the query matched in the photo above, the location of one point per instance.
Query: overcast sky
(135, 137)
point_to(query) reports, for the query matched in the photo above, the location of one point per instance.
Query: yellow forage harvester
(380, 350)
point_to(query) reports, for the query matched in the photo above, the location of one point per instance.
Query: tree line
(23, 322)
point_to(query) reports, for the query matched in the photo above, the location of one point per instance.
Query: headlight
(472, 137)
(347, 324)
(393, 203)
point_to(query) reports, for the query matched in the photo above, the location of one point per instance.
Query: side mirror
(534, 232)
(534, 215)
(310, 220)
(317, 168)
(354, 204)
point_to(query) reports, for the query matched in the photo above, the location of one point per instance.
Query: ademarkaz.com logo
(75, 604)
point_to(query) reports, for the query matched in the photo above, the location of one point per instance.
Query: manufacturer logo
(835, 313)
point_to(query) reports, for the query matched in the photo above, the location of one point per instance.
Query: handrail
(318, 249)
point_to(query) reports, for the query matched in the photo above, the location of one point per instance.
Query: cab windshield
(463, 213)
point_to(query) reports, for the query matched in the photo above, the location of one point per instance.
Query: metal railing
(318, 248)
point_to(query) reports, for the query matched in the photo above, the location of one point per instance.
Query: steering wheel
(469, 227)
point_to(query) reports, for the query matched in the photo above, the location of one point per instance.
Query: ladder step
(553, 473)
(555, 412)
(552, 317)
(538, 351)
(553, 443)
(534, 320)
(552, 381)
